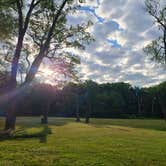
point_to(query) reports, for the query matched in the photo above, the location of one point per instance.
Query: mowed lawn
(103, 142)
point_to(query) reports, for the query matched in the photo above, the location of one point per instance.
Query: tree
(138, 93)
(157, 48)
(72, 94)
(51, 34)
(161, 95)
(22, 28)
(89, 98)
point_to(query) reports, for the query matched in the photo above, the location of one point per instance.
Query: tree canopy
(38, 29)
(156, 50)
(109, 100)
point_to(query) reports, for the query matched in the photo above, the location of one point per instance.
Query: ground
(103, 142)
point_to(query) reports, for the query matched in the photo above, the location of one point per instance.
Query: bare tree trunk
(10, 121)
(87, 113)
(11, 117)
(163, 108)
(139, 103)
(77, 110)
(44, 119)
(164, 40)
(87, 119)
(77, 116)
(153, 106)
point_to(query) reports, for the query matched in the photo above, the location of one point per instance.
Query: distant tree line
(90, 99)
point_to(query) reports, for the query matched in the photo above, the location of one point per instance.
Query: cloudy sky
(121, 29)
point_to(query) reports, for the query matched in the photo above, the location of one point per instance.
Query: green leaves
(7, 19)
(36, 19)
(82, 1)
(48, 4)
(157, 48)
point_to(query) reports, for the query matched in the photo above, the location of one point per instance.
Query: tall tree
(45, 23)
(161, 95)
(157, 48)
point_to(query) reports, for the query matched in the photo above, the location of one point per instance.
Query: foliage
(38, 24)
(7, 20)
(42, 31)
(116, 100)
(157, 48)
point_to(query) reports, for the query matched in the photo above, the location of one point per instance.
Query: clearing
(103, 142)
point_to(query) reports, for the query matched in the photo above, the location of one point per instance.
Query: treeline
(109, 100)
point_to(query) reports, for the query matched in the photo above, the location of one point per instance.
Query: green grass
(103, 142)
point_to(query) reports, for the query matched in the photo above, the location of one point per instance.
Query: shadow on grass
(26, 124)
(30, 122)
(148, 124)
(23, 134)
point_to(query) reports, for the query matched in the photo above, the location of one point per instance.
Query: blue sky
(121, 29)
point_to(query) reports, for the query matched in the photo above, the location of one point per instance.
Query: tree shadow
(158, 125)
(25, 124)
(58, 121)
(30, 122)
(22, 133)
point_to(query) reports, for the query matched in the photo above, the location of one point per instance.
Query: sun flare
(46, 71)
(50, 75)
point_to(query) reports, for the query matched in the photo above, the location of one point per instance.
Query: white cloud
(129, 29)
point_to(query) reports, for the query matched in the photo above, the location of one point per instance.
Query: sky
(121, 29)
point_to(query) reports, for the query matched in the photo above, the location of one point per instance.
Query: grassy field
(103, 142)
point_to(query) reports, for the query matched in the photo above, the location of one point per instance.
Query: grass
(103, 142)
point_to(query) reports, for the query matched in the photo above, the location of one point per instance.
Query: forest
(108, 100)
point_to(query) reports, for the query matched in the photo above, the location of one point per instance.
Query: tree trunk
(163, 108)
(44, 119)
(139, 105)
(11, 117)
(87, 119)
(77, 110)
(10, 122)
(153, 104)
(161, 100)
(11, 86)
(87, 114)
(77, 116)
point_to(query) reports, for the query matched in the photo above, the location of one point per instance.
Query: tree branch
(50, 33)
(20, 16)
(27, 18)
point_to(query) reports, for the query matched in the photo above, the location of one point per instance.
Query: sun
(49, 74)
(46, 71)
